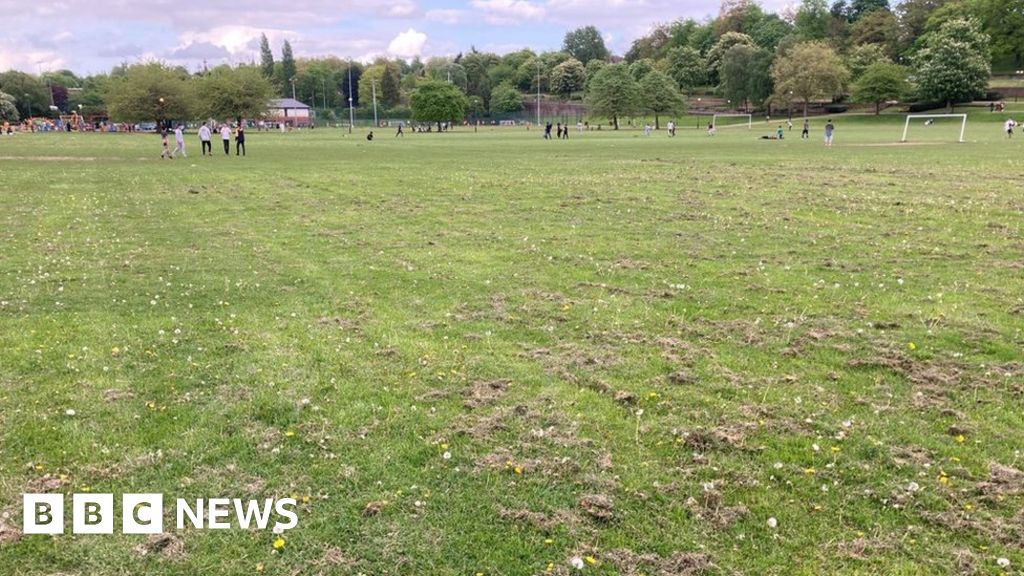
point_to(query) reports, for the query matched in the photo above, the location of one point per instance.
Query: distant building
(289, 112)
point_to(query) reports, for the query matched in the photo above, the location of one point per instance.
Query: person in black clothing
(240, 140)
(369, 137)
(547, 131)
(400, 132)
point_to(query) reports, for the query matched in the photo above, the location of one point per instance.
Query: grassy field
(485, 353)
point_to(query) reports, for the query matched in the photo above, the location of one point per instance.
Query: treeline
(938, 51)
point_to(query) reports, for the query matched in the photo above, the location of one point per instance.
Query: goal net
(731, 123)
(935, 127)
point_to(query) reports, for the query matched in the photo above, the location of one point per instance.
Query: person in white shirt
(204, 139)
(225, 135)
(179, 142)
(1009, 127)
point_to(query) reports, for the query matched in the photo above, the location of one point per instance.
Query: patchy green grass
(636, 351)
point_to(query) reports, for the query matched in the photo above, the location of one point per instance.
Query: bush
(836, 108)
(924, 106)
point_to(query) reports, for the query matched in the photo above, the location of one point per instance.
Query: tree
(30, 95)
(236, 93)
(808, 71)
(659, 94)
(593, 67)
(686, 66)
(1003, 20)
(913, 15)
(640, 68)
(881, 82)
(812, 20)
(506, 99)
(266, 57)
(746, 74)
(738, 16)
(877, 27)
(770, 30)
(435, 101)
(8, 110)
(727, 41)
(613, 93)
(568, 77)
(585, 44)
(860, 57)
(954, 65)
(288, 70)
(860, 8)
(148, 92)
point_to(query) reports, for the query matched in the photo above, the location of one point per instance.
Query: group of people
(562, 134)
(205, 140)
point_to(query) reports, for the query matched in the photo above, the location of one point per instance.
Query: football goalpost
(928, 120)
(749, 117)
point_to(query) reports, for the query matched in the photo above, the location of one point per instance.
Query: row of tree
(933, 50)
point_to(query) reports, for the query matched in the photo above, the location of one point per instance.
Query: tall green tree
(148, 92)
(881, 82)
(877, 27)
(288, 69)
(31, 96)
(568, 77)
(659, 95)
(1003, 21)
(506, 99)
(640, 68)
(266, 57)
(613, 93)
(955, 64)
(585, 44)
(812, 20)
(860, 57)
(715, 54)
(435, 101)
(860, 8)
(8, 109)
(913, 15)
(746, 75)
(808, 71)
(237, 93)
(686, 66)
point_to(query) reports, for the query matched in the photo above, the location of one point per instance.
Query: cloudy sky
(92, 36)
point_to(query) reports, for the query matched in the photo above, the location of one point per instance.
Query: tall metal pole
(293, 88)
(373, 84)
(538, 92)
(323, 84)
(351, 112)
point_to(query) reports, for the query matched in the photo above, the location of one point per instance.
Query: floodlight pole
(351, 112)
(323, 85)
(293, 87)
(373, 84)
(539, 92)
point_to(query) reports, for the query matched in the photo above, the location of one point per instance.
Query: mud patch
(166, 546)
(1003, 481)
(8, 534)
(629, 563)
(540, 520)
(598, 506)
(481, 393)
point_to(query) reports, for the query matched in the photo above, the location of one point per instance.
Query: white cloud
(408, 44)
(445, 16)
(508, 11)
(400, 9)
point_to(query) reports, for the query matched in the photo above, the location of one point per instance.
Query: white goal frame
(749, 117)
(963, 123)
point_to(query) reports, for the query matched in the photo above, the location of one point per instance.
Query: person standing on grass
(166, 153)
(547, 131)
(807, 130)
(225, 136)
(204, 139)
(1009, 127)
(400, 132)
(829, 129)
(240, 139)
(780, 133)
(179, 142)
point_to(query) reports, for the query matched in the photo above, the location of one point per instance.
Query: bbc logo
(93, 514)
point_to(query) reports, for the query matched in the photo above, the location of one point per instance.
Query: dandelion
(289, 433)
(912, 346)
(518, 469)
(577, 562)
(69, 412)
(259, 567)
(549, 541)
(810, 471)
(1003, 562)
(279, 543)
(590, 560)
(447, 456)
(773, 523)
(960, 439)
(913, 487)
